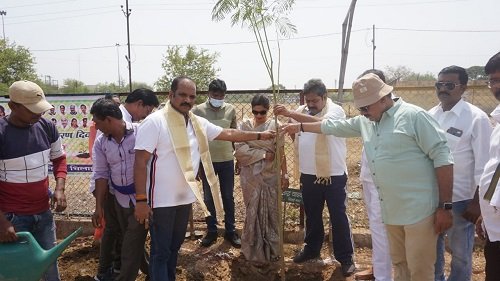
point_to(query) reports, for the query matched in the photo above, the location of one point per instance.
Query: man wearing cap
(411, 166)
(468, 133)
(24, 196)
(323, 177)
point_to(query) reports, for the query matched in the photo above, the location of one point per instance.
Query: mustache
(444, 93)
(185, 104)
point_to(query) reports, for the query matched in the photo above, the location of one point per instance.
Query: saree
(259, 183)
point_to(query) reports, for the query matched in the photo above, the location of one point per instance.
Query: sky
(78, 38)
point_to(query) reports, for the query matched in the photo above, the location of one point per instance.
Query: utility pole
(346, 35)
(374, 47)
(126, 12)
(3, 13)
(118, 63)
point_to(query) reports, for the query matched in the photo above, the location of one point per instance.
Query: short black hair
(463, 77)
(375, 71)
(147, 96)
(315, 86)
(260, 99)
(104, 107)
(110, 96)
(493, 64)
(217, 85)
(177, 80)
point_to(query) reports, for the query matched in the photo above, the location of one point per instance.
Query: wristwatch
(446, 205)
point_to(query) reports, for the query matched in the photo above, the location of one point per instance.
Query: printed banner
(71, 115)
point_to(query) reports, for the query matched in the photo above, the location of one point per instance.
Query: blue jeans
(314, 197)
(225, 172)
(43, 229)
(167, 227)
(461, 243)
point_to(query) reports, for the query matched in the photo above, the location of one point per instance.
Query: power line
(438, 30)
(65, 11)
(39, 4)
(58, 18)
(195, 44)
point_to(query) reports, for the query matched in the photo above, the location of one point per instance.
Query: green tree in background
(114, 88)
(73, 86)
(16, 63)
(476, 73)
(404, 73)
(199, 65)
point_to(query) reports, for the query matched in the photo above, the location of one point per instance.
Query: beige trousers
(413, 250)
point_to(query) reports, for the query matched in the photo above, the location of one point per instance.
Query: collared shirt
(336, 146)
(468, 132)
(491, 214)
(225, 117)
(402, 149)
(166, 185)
(115, 162)
(126, 115)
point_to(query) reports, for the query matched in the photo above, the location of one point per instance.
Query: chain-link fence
(81, 203)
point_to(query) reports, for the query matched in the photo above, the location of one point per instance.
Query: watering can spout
(25, 260)
(52, 254)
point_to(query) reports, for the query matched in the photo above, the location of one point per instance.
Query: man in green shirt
(411, 166)
(221, 114)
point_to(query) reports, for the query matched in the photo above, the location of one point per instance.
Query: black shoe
(209, 239)
(348, 269)
(304, 256)
(234, 239)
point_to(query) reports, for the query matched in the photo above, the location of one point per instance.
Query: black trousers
(492, 256)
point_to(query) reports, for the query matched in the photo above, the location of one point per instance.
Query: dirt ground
(223, 262)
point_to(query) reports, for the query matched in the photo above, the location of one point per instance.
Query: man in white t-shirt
(488, 226)
(468, 133)
(165, 167)
(323, 177)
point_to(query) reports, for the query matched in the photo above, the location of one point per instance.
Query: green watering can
(25, 260)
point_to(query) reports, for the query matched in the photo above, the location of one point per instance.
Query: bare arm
(443, 219)
(59, 200)
(280, 109)
(304, 127)
(100, 192)
(7, 232)
(142, 210)
(242, 136)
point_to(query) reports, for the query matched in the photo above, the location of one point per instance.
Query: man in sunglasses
(223, 114)
(468, 133)
(411, 166)
(488, 226)
(323, 176)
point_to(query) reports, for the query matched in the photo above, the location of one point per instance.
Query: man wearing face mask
(222, 114)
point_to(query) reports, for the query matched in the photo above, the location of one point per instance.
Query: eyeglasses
(448, 85)
(493, 83)
(256, 112)
(364, 108)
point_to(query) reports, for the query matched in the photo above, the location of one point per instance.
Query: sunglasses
(448, 85)
(256, 112)
(364, 108)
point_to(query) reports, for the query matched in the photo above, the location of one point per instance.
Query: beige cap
(369, 89)
(30, 95)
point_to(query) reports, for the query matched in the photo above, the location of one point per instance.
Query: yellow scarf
(321, 153)
(176, 124)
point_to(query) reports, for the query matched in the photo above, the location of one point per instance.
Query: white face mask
(216, 102)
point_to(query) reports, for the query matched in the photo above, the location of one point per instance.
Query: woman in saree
(259, 182)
